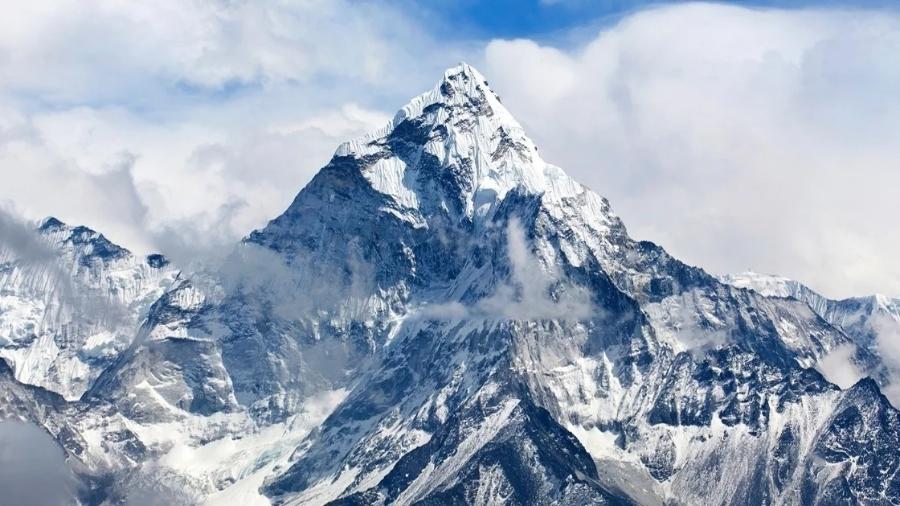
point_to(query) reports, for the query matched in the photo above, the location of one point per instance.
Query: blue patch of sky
(552, 19)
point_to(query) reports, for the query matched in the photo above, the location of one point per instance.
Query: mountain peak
(463, 83)
(462, 90)
(87, 240)
(462, 75)
(89, 244)
(460, 133)
(883, 302)
(51, 223)
(451, 156)
(464, 68)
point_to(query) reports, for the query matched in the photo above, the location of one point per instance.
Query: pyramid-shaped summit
(460, 131)
(462, 92)
(452, 154)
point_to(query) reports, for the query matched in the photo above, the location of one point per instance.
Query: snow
(325, 491)
(232, 468)
(103, 343)
(871, 322)
(600, 444)
(766, 284)
(492, 487)
(475, 138)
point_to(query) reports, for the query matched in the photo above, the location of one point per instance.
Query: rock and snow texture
(861, 317)
(873, 322)
(71, 303)
(441, 317)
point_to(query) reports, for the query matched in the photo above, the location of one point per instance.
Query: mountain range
(442, 317)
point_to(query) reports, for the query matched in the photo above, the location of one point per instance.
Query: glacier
(442, 317)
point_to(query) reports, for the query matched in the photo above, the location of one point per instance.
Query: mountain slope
(71, 303)
(441, 317)
(617, 372)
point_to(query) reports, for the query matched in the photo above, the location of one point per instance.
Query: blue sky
(757, 134)
(557, 18)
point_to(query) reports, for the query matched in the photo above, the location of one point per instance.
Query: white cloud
(737, 138)
(887, 340)
(838, 367)
(191, 122)
(38, 181)
(112, 50)
(887, 344)
(19, 240)
(35, 470)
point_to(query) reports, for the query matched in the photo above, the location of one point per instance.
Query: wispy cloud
(534, 291)
(42, 271)
(305, 288)
(838, 367)
(34, 469)
(887, 344)
(18, 240)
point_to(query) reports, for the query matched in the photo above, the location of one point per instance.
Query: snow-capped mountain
(71, 303)
(441, 317)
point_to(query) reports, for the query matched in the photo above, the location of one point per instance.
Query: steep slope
(71, 303)
(441, 317)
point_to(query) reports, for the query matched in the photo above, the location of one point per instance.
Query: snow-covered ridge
(766, 284)
(72, 303)
(873, 322)
(836, 311)
(773, 285)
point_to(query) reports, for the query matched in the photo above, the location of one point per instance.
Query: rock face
(441, 317)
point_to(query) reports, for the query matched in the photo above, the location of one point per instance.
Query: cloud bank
(737, 138)
(175, 124)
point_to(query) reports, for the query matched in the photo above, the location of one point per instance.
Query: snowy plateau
(442, 317)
